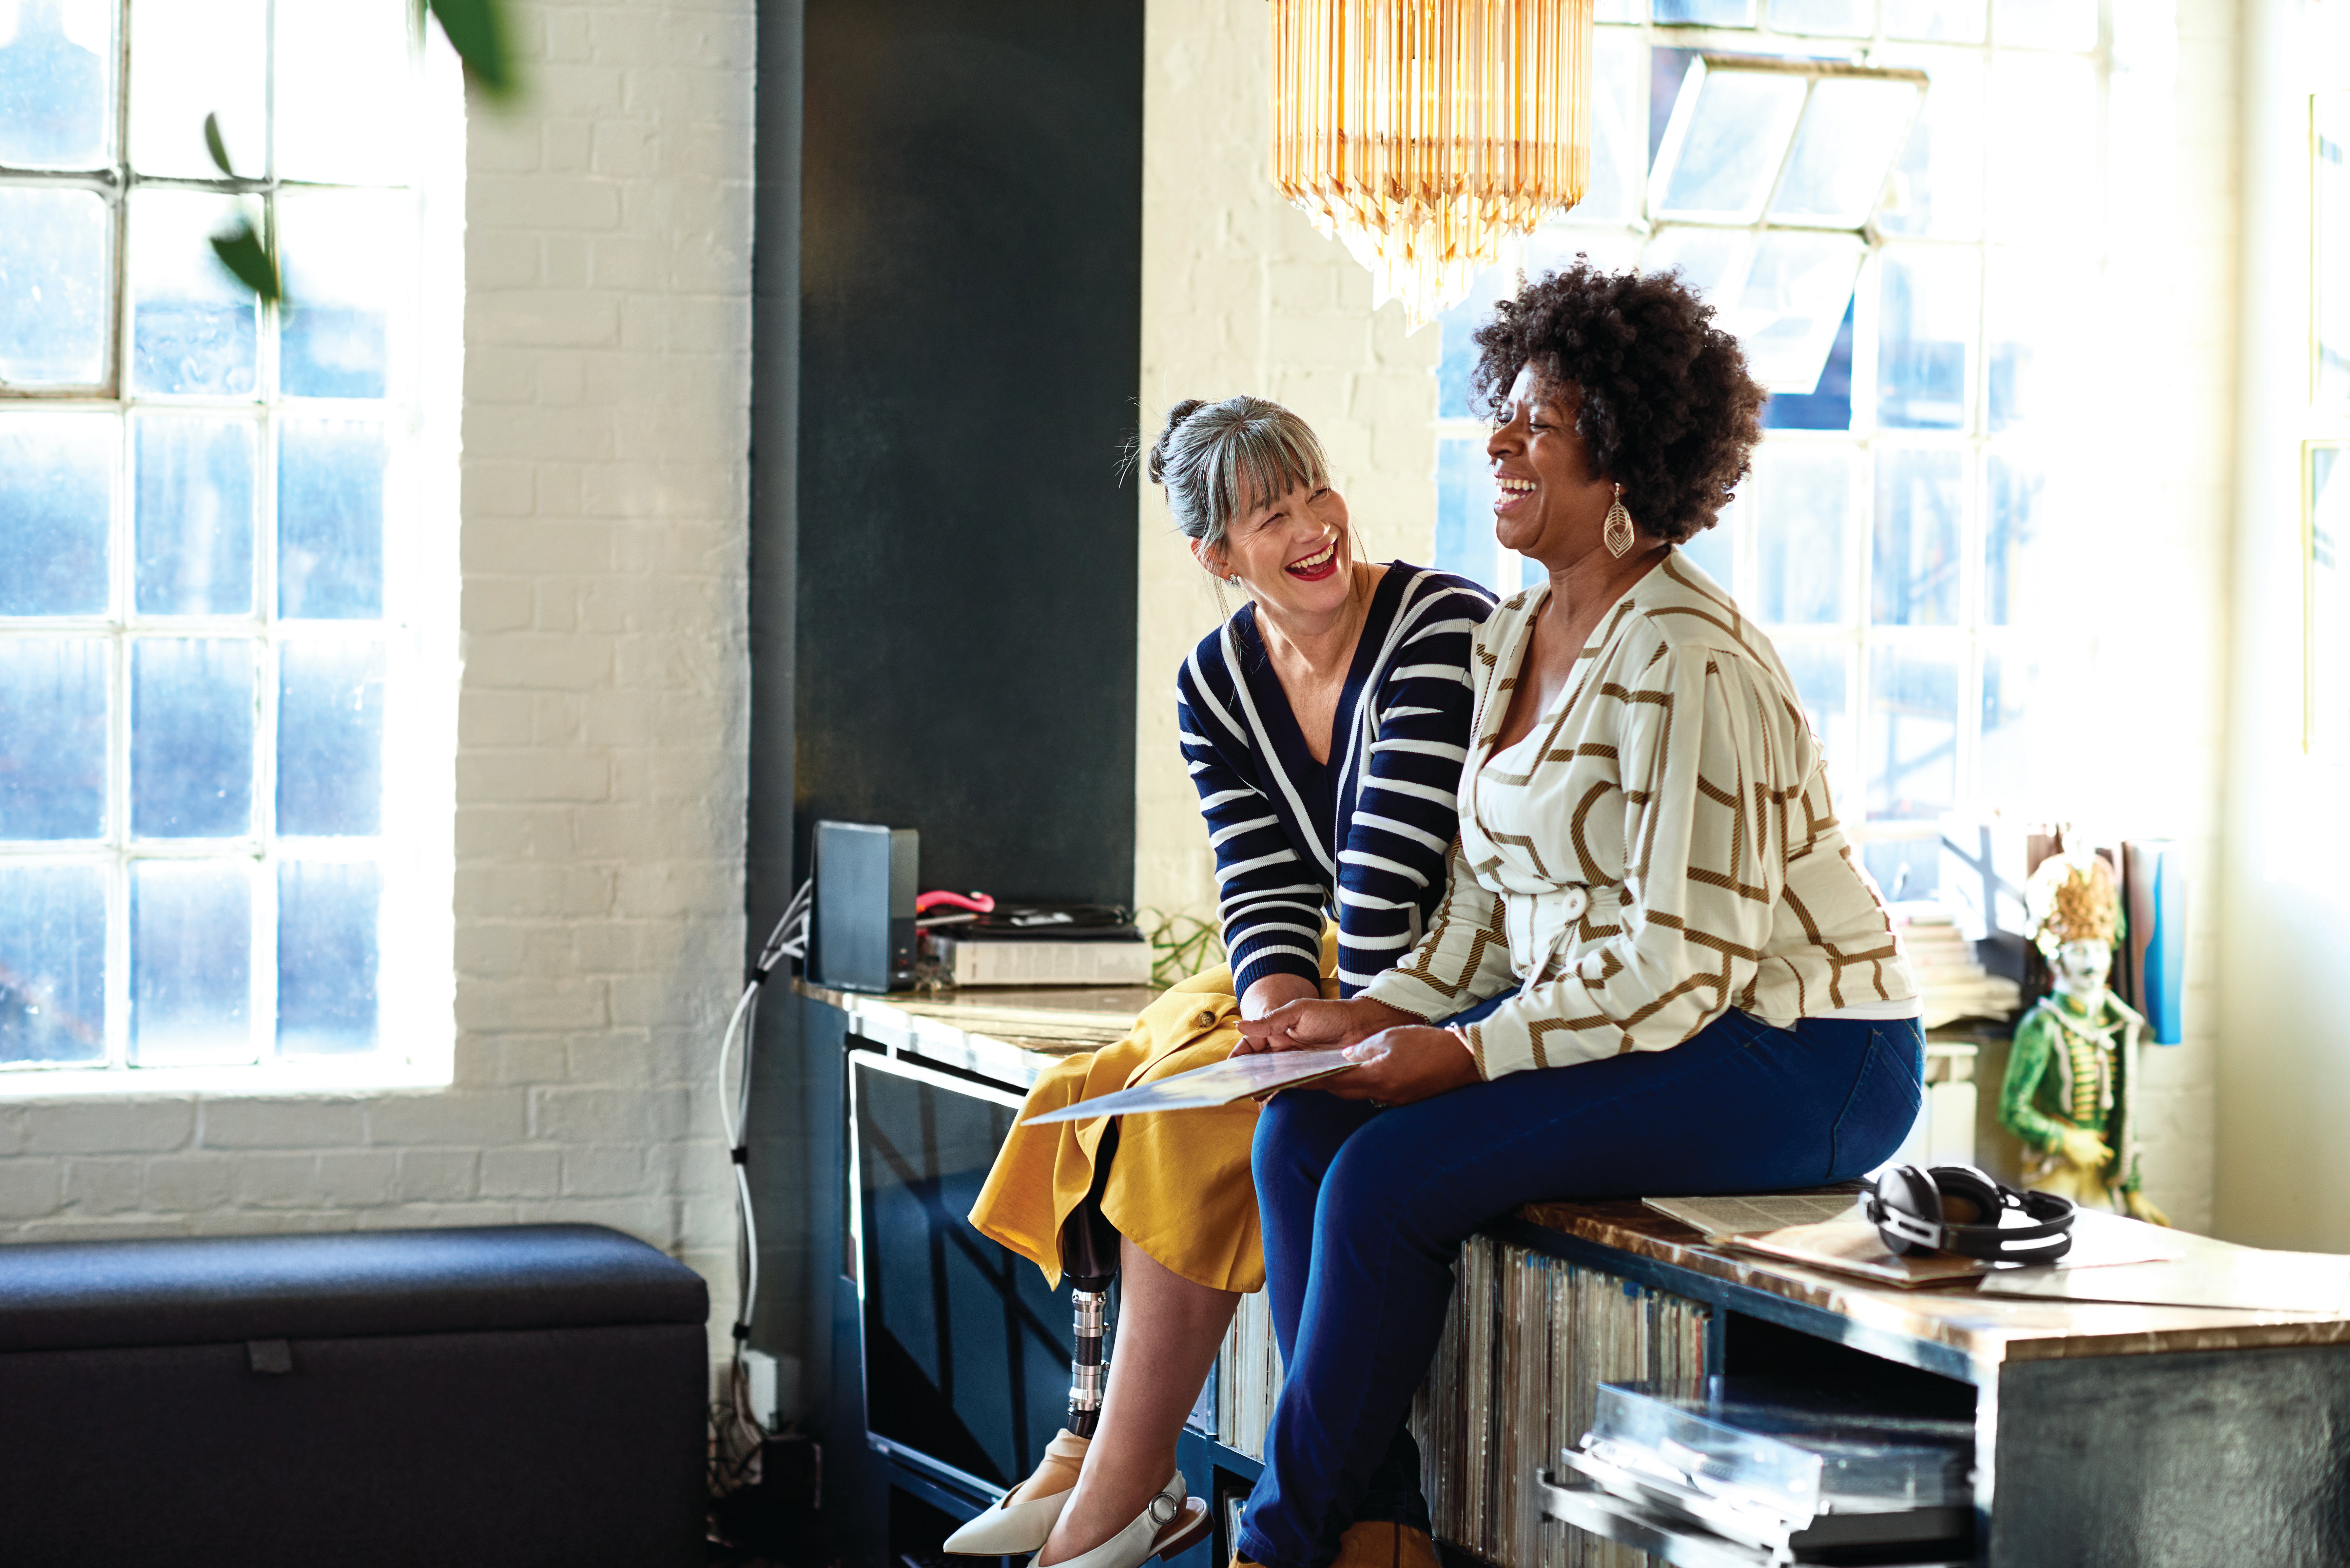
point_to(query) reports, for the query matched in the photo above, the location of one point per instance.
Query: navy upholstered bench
(512, 1394)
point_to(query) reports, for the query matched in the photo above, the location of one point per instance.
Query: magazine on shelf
(1224, 1082)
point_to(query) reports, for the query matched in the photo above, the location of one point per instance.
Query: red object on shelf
(977, 903)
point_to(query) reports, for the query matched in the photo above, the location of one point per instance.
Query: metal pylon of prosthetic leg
(1089, 1259)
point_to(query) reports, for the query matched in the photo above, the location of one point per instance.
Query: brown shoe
(1378, 1544)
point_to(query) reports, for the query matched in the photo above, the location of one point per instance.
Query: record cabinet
(2170, 1438)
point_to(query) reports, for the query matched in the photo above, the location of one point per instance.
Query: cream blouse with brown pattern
(1660, 848)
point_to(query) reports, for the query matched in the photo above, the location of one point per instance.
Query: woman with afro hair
(1656, 968)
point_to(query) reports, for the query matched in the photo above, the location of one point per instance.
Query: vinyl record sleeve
(1221, 1083)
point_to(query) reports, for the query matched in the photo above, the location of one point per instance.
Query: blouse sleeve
(1711, 765)
(1391, 867)
(1269, 900)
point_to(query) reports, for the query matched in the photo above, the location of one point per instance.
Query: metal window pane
(190, 58)
(1935, 21)
(2014, 738)
(1823, 676)
(348, 255)
(330, 477)
(1706, 12)
(1464, 510)
(192, 513)
(328, 955)
(194, 330)
(1804, 526)
(2020, 581)
(1711, 262)
(1936, 189)
(1913, 570)
(2043, 178)
(331, 738)
(52, 737)
(343, 77)
(191, 720)
(52, 964)
(56, 271)
(57, 84)
(1729, 135)
(1852, 131)
(1907, 869)
(1715, 551)
(1930, 305)
(2041, 316)
(1843, 18)
(191, 963)
(2045, 24)
(1787, 309)
(1456, 355)
(56, 499)
(1619, 130)
(1909, 740)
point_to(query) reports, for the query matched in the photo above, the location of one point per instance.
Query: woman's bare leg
(1163, 1343)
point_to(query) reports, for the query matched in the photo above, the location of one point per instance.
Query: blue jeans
(1364, 1210)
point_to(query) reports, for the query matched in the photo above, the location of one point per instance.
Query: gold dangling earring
(1618, 535)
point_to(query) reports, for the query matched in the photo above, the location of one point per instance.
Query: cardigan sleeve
(1270, 901)
(1391, 865)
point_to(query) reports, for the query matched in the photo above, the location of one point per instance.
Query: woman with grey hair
(1324, 725)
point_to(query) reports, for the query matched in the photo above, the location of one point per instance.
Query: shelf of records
(1529, 1340)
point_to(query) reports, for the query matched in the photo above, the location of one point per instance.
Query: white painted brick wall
(603, 717)
(1240, 294)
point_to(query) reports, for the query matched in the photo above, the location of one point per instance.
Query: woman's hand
(1316, 1026)
(1276, 990)
(1401, 1066)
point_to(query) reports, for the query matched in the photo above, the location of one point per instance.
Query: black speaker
(865, 885)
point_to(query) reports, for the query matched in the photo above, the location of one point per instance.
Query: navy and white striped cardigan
(1367, 833)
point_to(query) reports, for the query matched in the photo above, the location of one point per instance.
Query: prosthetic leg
(1089, 1260)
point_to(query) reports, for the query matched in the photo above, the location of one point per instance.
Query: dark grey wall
(970, 284)
(947, 282)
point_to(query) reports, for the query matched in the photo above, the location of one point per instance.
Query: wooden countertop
(1986, 1329)
(1012, 1035)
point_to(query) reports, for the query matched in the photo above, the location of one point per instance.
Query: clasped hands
(1398, 1059)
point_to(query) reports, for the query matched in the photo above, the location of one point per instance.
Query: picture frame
(2329, 213)
(2326, 598)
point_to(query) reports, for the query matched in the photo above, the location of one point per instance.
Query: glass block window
(205, 645)
(1903, 531)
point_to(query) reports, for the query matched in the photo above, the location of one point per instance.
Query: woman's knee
(1389, 1177)
(1297, 1135)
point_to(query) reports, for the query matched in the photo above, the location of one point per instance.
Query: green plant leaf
(215, 146)
(249, 261)
(476, 30)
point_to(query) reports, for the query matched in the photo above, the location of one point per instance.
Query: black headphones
(1958, 1209)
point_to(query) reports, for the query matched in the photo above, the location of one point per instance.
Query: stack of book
(1527, 1342)
(1950, 982)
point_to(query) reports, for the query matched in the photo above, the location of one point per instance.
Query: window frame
(414, 629)
(1971, 638)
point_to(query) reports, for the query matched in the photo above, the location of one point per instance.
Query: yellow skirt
(1179, 1187)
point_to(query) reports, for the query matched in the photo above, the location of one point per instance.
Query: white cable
(787, 941)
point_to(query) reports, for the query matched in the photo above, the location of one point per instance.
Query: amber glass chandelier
(1424, 133)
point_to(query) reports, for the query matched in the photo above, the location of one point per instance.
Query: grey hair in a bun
(1216, 459)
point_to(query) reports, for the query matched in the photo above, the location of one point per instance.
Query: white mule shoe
(1172, 1522)
(1024, 1520)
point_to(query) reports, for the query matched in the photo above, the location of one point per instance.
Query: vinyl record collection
(1528, 1342)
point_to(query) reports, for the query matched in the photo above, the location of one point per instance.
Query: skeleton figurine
(2071, 1078)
